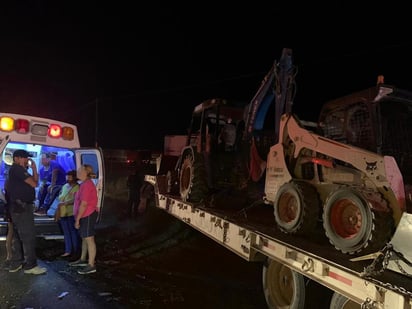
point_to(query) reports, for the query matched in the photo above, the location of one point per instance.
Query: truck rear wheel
(296, 208)
(339, 301)
(283, 287)
(351, 225)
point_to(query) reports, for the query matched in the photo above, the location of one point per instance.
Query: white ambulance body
(41, 135)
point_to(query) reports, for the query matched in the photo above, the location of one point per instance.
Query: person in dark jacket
(21, 193)
(134, 182)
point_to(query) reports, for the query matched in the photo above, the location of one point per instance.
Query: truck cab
(41, 135)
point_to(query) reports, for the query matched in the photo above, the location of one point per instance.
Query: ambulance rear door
(93, 157)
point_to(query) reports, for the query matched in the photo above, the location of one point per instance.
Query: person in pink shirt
(85, 213)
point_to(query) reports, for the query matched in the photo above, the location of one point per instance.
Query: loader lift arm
(277, 86)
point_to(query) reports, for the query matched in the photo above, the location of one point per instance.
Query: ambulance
(41, 135)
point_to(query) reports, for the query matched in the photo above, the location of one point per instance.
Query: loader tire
(192, 177)
(350, 224)
(297, 208)
(282, 286)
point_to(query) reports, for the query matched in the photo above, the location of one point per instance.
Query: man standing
(134, 182)
(21, 191)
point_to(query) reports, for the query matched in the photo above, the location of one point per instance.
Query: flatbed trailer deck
(251, 233)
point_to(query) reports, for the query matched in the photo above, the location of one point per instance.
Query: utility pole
(96, 113)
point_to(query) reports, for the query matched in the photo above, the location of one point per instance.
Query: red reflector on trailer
(55, 130)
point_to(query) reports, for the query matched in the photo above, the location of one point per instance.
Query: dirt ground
(156, 261)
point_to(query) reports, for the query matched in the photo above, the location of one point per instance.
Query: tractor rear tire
(192, 177)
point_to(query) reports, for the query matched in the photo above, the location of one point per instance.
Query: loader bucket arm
(278, 87)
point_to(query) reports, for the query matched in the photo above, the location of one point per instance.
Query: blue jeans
(71, 235)
(24, 238)
(45, 198)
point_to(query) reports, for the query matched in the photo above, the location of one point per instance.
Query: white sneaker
(36, 270)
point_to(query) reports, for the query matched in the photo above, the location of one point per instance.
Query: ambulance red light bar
(22, 126)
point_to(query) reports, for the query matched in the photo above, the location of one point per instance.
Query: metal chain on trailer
(380, 264)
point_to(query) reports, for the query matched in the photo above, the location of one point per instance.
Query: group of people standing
(76, 212)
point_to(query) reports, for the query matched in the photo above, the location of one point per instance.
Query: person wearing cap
(21, 192)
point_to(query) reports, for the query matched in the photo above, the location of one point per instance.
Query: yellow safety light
(6, 124)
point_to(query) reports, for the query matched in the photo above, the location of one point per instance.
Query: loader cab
(378, 119)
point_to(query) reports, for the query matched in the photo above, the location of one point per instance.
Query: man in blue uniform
(52, 178)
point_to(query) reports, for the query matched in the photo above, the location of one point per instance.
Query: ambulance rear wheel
(283, 287)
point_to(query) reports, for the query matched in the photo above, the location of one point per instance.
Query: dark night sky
(147, 67)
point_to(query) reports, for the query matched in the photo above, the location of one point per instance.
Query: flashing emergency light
(23, 126)
(55, 130)
(6, 124)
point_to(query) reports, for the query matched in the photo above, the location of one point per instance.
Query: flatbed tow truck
(334, 205)
(245, 233)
